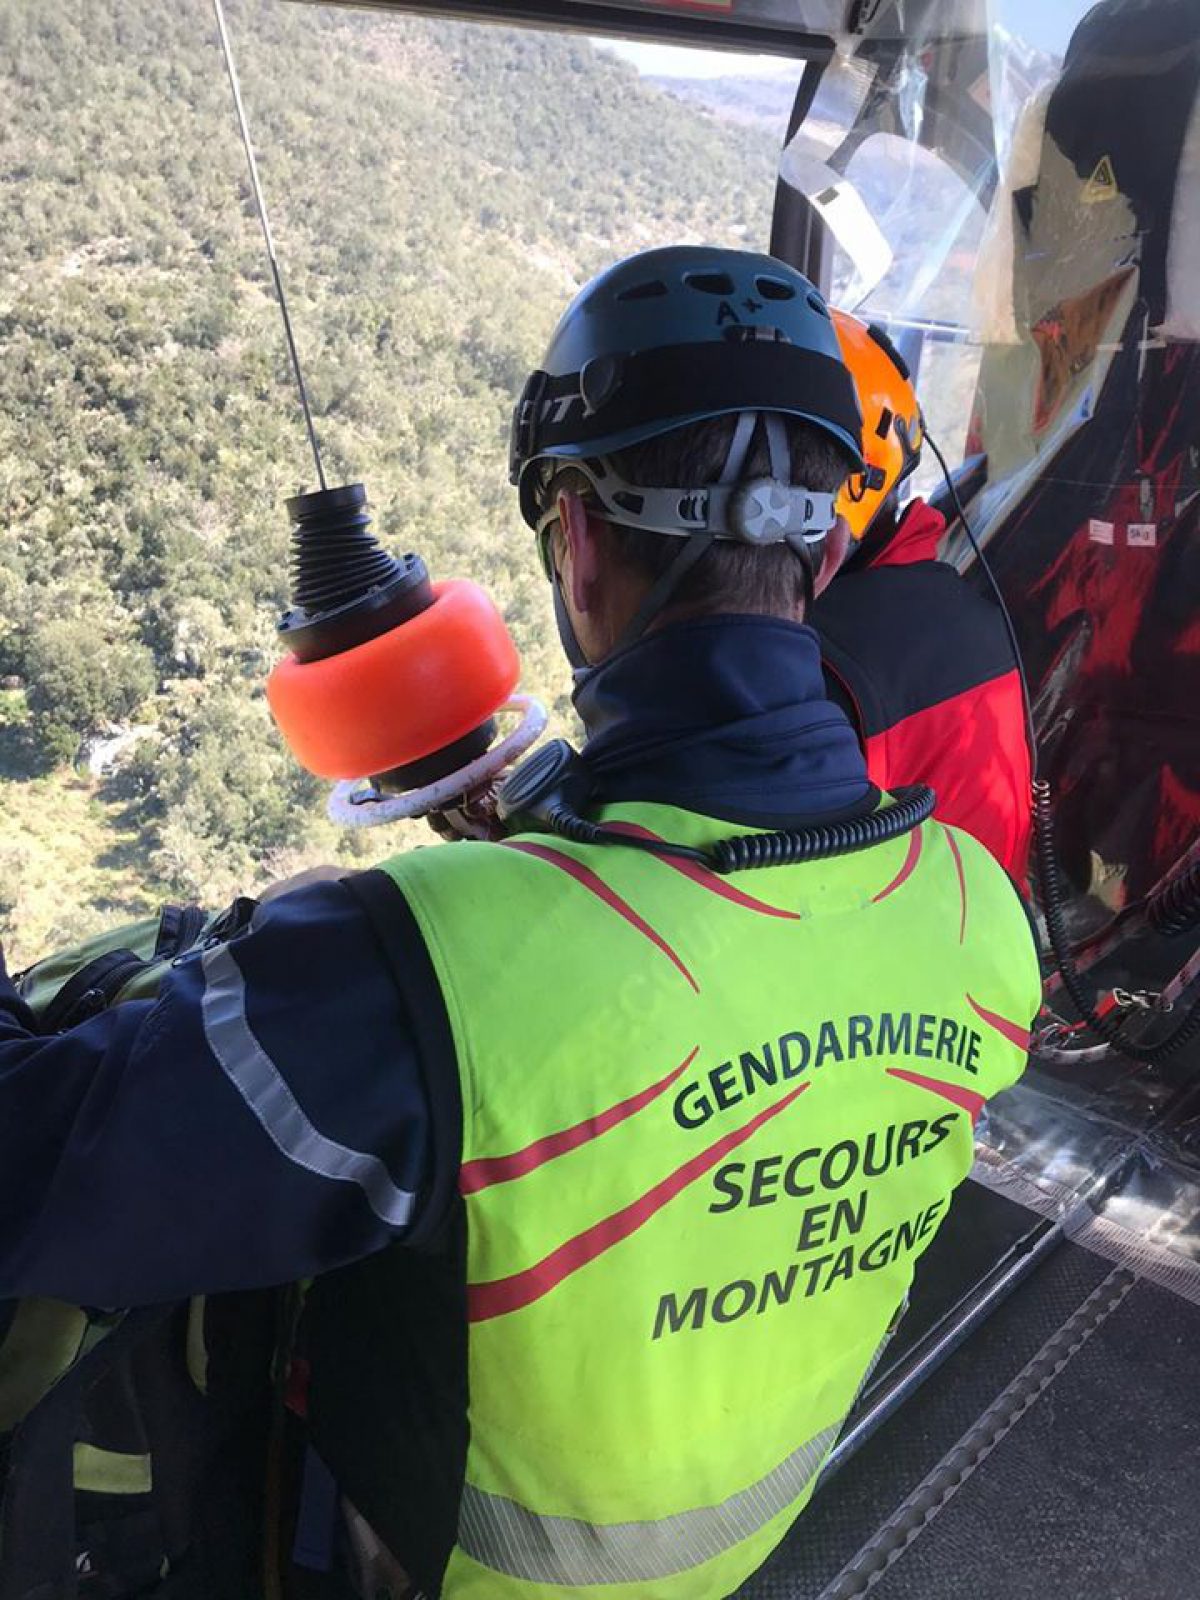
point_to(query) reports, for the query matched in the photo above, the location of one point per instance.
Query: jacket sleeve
(924, 666)
(266, 1118)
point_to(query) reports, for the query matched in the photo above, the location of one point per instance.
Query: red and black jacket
(922, 664)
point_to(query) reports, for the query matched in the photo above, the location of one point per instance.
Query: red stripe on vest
(706, 879)
(483, 1173)
(962, 884)
(907, 870)
(1012, 1031)
(502, 1295)
(971, 1102)
(597, 886)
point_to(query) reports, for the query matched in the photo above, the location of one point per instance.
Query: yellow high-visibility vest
(709, 1124)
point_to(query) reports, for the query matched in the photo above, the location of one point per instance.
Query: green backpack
(134, 1445)
(125, 963)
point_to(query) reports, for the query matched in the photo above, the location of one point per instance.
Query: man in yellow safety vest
(612, 1145)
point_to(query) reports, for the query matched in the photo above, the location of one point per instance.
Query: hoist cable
(260, 202)
(998, 595)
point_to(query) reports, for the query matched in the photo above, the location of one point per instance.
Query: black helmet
(675, 336)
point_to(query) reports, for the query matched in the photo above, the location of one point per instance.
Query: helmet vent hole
(774, 289)
(632, 503)
(710, 282)
(817, 303)
(652, 289)
(884, 426)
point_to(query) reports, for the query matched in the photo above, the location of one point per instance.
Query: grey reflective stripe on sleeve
(264, 1089)
(509, 1538)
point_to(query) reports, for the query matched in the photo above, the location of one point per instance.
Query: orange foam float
(399, 698)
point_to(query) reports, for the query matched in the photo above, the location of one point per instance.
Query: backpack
(135, 1445)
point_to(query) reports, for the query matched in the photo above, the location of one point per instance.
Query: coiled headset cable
(551, 789)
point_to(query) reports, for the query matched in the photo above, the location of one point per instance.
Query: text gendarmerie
(830, 1191)
(887, 1034)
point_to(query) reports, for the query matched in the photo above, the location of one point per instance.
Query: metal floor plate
(1093, 1494)
(847, 1511)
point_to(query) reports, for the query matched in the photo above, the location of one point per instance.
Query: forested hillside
(765, 100)
(437, 194)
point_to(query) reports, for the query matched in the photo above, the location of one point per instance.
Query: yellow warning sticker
(1102, 185)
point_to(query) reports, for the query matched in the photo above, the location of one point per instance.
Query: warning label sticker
(1141, 535)
(1102, 185)
(1101, 532)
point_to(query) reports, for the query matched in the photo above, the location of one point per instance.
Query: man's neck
(725, 715)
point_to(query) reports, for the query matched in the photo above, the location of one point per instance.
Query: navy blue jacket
(289, 1103)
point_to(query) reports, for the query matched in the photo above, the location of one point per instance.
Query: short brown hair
(729, 577)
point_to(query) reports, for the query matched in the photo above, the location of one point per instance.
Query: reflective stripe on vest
(709, 1124)
(500, 1534)
(508, 1538)
(99, 1471)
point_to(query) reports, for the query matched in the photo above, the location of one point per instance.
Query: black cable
(1053, 900)
(820, 840)
(1176, 906)
(1018, 658)
(565, 821)
(911, 807)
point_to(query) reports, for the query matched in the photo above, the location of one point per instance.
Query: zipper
(91, 989)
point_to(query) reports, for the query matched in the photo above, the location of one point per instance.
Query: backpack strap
(179, 927)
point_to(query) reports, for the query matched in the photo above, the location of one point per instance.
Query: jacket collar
(725, 716)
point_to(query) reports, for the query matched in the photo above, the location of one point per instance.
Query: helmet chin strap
(781, 471)
(694, 548)
(567, 636)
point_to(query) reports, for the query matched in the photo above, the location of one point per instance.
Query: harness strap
(37, 1521)
(695, 548)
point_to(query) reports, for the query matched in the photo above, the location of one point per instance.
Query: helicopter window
(909, 260)
(136, 298)
(932, 221)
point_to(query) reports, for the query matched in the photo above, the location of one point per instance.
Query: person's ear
(837, 547)
(581, 536)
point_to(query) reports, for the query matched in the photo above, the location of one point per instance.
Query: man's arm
(267, 1117)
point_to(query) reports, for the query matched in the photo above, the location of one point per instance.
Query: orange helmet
(893, 427)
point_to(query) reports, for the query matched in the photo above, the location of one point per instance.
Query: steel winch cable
(261, 204)
(998, 593)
